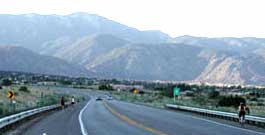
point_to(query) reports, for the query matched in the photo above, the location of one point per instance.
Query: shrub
(24, 89)
(254, 99)
(260, 104)
(201, 100)
(213, 94)
(1, 110)
(231, 101)
(141, 92)
(190, 94)
(48, 100)
(6, 82)
(105, 87)
(168, 92)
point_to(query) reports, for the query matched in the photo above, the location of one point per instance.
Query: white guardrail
(17, 117)
(233, 116)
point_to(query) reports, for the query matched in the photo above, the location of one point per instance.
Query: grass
(25, 99)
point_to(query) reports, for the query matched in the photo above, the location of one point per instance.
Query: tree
(6, 82)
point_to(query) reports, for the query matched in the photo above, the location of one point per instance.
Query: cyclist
(62, 102)
(72, 100)
(242, 109)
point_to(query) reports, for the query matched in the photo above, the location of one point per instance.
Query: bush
(48, 100)
(260, 104)
(65, 82)
(6, 82)
(1, 87)
(190, 94)
(141, 92)
(231, 101)
(254, 99)
(213, 94)
(24, 89)
(105, 87)
(201, 100)
(168, 92)
(1, 109)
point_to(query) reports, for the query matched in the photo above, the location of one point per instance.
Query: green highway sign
(176, 91)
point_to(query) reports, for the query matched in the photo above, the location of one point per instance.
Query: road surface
(120, 118)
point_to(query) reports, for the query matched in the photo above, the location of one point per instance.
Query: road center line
(213, 122)
(83, 130)
(132, 122)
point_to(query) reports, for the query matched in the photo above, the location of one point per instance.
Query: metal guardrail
(232, 116)
(20, 116)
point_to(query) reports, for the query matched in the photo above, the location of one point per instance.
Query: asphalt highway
(119, 118)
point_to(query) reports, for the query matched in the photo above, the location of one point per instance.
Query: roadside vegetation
(25, 98)
(154, 93)
(213, 99)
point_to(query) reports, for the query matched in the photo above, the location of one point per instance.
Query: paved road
(119, 118)
(64, 122)
(97, 121)
(173, 123)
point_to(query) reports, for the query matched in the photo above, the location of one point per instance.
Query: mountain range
(87, 44)
(24, 60)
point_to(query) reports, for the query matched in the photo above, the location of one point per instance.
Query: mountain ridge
(14, 58)
(109, 49)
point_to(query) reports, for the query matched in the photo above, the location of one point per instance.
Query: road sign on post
(10, 94)
(176, 92)
(135, 91)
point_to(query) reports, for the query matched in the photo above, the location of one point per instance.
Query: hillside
(33, 30)
(110, 49)
(21, 59)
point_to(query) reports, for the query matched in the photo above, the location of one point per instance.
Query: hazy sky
(213, 18)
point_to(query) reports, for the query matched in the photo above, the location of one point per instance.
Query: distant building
(127, 87)
(48, 83)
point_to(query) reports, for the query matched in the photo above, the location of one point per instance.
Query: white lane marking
(225, 125)
(210, 121)
(83, 130)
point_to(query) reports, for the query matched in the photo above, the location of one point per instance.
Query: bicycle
(241, 120)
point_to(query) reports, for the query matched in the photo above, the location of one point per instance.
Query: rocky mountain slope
(33, 30)
(109, 56)
(111, 49)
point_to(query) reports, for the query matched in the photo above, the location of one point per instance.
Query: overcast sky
(212, 18)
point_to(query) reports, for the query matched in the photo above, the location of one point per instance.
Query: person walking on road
(62, 102)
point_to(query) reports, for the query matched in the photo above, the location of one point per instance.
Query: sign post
(176, 92)
(11, 96)
(135, 91)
